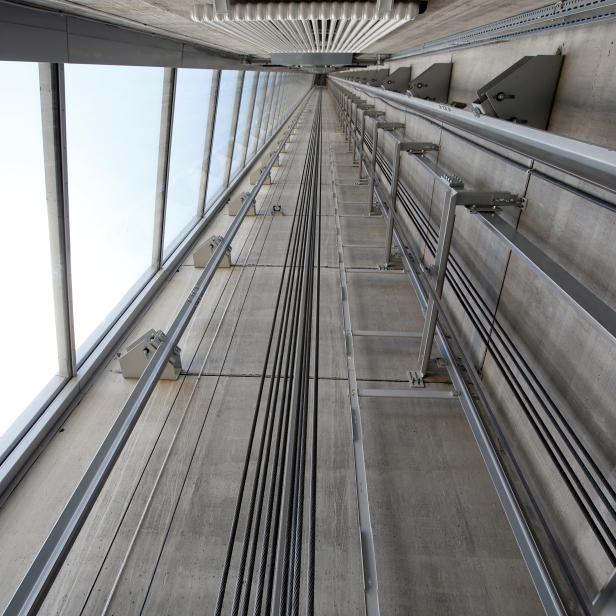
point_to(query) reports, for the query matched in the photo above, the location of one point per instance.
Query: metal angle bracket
(138, 354)
(433, 83)
(416, 379)
(205, 250)
(390, 125)
(418, 148)
(237, 201)
(398, 81)
(477, 202)
(524, 93)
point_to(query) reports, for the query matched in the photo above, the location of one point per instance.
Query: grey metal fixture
(139, 353)
(398, 81)
(523, 93)
(433, 83)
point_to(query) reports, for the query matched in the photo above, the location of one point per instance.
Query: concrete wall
(568, 352)
(584, 103)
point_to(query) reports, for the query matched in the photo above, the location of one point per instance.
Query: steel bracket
(489, 201)
(418, 148)
(523, 93)
(433, 83)
(398, 81)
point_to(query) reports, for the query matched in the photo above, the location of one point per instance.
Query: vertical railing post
(439, 269)
(53, 120)
(162, 170)
(393, 197)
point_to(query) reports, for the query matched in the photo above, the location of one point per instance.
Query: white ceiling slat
(306, 26)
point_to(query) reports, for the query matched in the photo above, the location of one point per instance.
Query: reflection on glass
(257, 114)
(222, 135)
(113, 121)
(30, 359)
(190, 117)
(243, 122)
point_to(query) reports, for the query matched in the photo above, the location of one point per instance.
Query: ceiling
(173, 17)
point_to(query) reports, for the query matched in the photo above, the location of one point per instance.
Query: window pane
(222, 136)
(241, 134)
(256, 116)
(113, 121)
(190, 116)
(30, 358)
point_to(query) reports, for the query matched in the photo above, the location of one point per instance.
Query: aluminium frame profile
(33, 588)
(164, 163)
(237, 101)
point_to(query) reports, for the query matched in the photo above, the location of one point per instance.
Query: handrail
(593, 163)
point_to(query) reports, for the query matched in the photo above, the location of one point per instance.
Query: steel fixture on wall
(306, 26)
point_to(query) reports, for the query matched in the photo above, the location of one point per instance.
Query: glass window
(258, 113)
(243, 121)
(190, 117)
(113, 118)
(30, 359)
(222, 133)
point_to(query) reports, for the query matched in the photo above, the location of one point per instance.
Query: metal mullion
(275, 103)
(162, 173)
(232, 132)
(251, 104)
(281, 99)
(263, 77)
(271, 87)
(53, 116)
(258, 132)
(209, 137)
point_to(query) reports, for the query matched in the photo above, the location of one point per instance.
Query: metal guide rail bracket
(398, 81)
(137, 356)
(524, 92)
(477, 202)
(433, 83)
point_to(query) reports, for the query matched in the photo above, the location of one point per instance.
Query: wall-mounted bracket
(523, 93)
(418, 148)
(489, 201)
(398, 81)
(138, 355)
(433, 83)
(237, 201)
(204, 251)
(255, 174)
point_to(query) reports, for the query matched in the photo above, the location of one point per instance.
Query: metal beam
(589, 162)
(251, 106)
(209, 137)
(53, 112)
(552, 272)
(162, 172)
(237, 101)
(34, 34)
